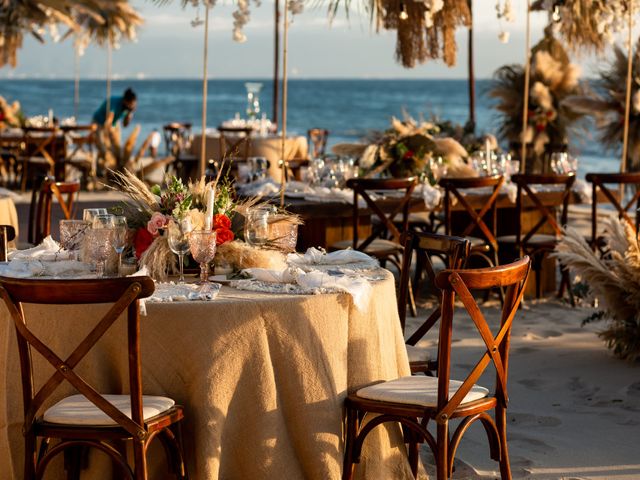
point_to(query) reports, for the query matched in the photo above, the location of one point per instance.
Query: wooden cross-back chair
(39, 152)
(599, 182)
(89, 419)
(317, 140)
(376, 244)
(178, 140)
(453, 252)
(416, 400)
(7, 234)
(533, 241)
(41, 206)
(485, 246)
(80, 154)
(235, 143)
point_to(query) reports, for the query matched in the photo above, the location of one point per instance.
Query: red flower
(143, 240)
(408, 155)
(221, 221)
(223, 235)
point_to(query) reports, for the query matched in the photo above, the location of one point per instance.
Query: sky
(169, 47)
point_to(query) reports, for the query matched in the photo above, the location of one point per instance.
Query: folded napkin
(431, 195)
(329, 195)
(315, 257)
(49, 251)
(584, 191)
(314, 282)
(261, 188)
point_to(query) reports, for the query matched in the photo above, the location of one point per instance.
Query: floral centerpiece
(151, 209)
(405, 150)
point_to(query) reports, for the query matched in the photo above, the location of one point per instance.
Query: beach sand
(574, 410)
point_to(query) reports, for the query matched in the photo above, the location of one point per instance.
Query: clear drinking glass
(103, 221)
(119, 237)
(256, 226)
(89, 213)
(99, 247)
(202, 244)
(72, 233)
(178, 237)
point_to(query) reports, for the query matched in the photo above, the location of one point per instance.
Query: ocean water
(347, 108)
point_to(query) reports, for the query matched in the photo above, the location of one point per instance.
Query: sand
(574, 409)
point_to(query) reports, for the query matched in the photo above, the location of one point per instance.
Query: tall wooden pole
(283, 180)
(627, 108)
(76, 83)
(109, 51)
(276, 62)
(527, 78)
(472, 77)
(203, 140)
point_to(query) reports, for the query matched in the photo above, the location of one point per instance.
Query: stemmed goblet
(202, 244)
(119, 237)
(178, 237)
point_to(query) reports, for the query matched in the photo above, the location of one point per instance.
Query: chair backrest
(317, 140)
(453, 251)
(458, 284)
(235, 143)
(454, 192)
(123, 295)
(42, 142)
(599, 183)
(177, 138)
(7, 234)
(41, 202)
(362, 187)
(527, 189)
(80, 137)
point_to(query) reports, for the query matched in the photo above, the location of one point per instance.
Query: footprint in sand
(532, 444)
(542, 335)
(633, 390)
(533, 383)
(526, 419)
(525, 350)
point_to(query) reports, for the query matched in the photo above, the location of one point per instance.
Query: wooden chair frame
(234, 147)
(360, 187)
(599, 181)
(453, 187)
(124, 295)
(35, 146)
(317, 141)
(415, 419)
(41, 204)
(453, 251)
(524, 183)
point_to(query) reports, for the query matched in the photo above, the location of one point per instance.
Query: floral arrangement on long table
(613, 279)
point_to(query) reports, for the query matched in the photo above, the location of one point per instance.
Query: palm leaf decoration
(427, 32)
(551, 121)
(31, 17)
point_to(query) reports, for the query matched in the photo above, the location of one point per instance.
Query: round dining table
(268, 146)
(262, 377)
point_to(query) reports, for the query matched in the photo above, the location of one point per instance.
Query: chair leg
(30, 456)
(501, 424)
(565, 282)
(140, 460)
(414, 453)
(442, 452)
(352, 432)
(412, 302)
(74, 461)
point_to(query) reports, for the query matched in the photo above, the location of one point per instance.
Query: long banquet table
(262, 377)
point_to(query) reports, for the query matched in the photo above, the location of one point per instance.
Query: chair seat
(378, 247)
(418, 354)
(417, 390)
(77, 410)
(538, 240)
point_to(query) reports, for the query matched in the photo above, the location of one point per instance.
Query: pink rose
(157, 222)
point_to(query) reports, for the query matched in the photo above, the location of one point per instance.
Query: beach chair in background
(41, 206)
(416, 400)
(317, 141)
(625, 208)
(531, 240)
(453, 253)
(178, 138)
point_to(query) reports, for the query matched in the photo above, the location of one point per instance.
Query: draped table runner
(269, 147)
(262, 377)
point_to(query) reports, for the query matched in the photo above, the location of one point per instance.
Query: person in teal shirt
(122, 108)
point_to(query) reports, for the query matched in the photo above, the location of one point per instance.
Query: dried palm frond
(614, 279)
(136, 190)
(609, 108)
(240, 255)
(553, 79)
(159, 259)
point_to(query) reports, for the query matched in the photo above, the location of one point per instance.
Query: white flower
(504, 36)
(238, 36)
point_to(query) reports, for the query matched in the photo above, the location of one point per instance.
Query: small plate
(222, 279)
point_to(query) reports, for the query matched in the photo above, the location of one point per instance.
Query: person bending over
(121, 106)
